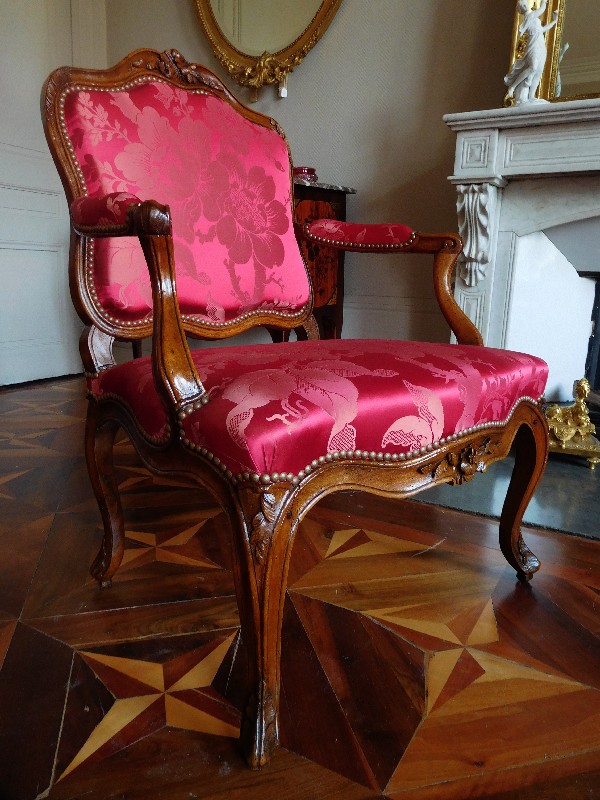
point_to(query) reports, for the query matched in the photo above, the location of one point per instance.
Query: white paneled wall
(39, 330)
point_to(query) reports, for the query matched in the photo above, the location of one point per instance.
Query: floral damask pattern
(252, 220)
(227, 182)
(357, 236)
(107, 211)
(278, 407)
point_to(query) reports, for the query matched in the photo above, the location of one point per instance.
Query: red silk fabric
(109, 211)
(276, 408)
(227, 181)
(356, 236)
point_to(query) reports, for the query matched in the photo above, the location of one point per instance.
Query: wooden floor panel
(414, 666)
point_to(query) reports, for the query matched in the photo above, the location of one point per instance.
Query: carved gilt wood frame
(268, 68)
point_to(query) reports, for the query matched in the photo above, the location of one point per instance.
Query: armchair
(181, 226)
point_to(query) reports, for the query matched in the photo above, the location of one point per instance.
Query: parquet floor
(415, 667)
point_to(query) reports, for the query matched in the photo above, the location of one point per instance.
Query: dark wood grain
(34, 681)
(417, 667)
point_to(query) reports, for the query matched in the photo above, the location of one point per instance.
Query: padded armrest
(354, 236)
(393, 237)
(104, 216)
(118, 214)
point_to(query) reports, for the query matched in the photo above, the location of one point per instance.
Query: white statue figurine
(526, 73)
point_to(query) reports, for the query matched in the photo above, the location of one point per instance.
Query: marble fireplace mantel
(520, 172)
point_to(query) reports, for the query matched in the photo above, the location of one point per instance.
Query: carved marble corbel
(475, 206)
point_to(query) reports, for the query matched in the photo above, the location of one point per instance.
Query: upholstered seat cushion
(276, 408)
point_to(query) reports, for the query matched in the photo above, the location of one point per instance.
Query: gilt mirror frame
(268, 68)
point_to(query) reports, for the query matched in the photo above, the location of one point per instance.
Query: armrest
(393, 237)
(121, 214)
(352, 236)
(104, 216)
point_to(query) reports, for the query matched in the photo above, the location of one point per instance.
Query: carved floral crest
(460, 467)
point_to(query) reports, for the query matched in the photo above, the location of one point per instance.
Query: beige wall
(365, 108)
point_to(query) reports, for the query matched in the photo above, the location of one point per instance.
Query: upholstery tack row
(266, 479)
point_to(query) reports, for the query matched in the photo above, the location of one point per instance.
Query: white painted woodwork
(521, 173)
(38, 328)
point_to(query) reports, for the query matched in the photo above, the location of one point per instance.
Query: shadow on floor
(568, 498)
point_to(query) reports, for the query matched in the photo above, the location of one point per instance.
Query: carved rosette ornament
(460, 467)
(475, 206)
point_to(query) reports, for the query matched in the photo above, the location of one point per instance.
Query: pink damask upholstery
(355, 236)
(108, 212)
(226, 180)
(278, 408)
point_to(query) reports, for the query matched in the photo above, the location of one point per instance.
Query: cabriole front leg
(531, 455)
(263, 550)
(99, 443)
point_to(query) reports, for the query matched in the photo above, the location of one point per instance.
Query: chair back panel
(227, 180)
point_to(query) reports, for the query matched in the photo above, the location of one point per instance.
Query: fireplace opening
(592, 366)
(579, 242)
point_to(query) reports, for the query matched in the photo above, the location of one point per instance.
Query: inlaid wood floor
(414, 668)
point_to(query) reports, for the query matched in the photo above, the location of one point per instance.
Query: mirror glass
(255, 27)
(579, 50)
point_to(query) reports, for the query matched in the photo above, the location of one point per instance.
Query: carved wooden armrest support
(122, 214)
(174, 372)
(394, 238)
(444, 264)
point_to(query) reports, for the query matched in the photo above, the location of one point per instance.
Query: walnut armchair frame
(264, 508)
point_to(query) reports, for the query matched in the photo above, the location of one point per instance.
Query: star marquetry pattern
(446, 612)
(167, 548)
(150, 695)
(413, 662)
(357, 542)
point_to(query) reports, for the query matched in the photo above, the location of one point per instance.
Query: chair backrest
(159, 128)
